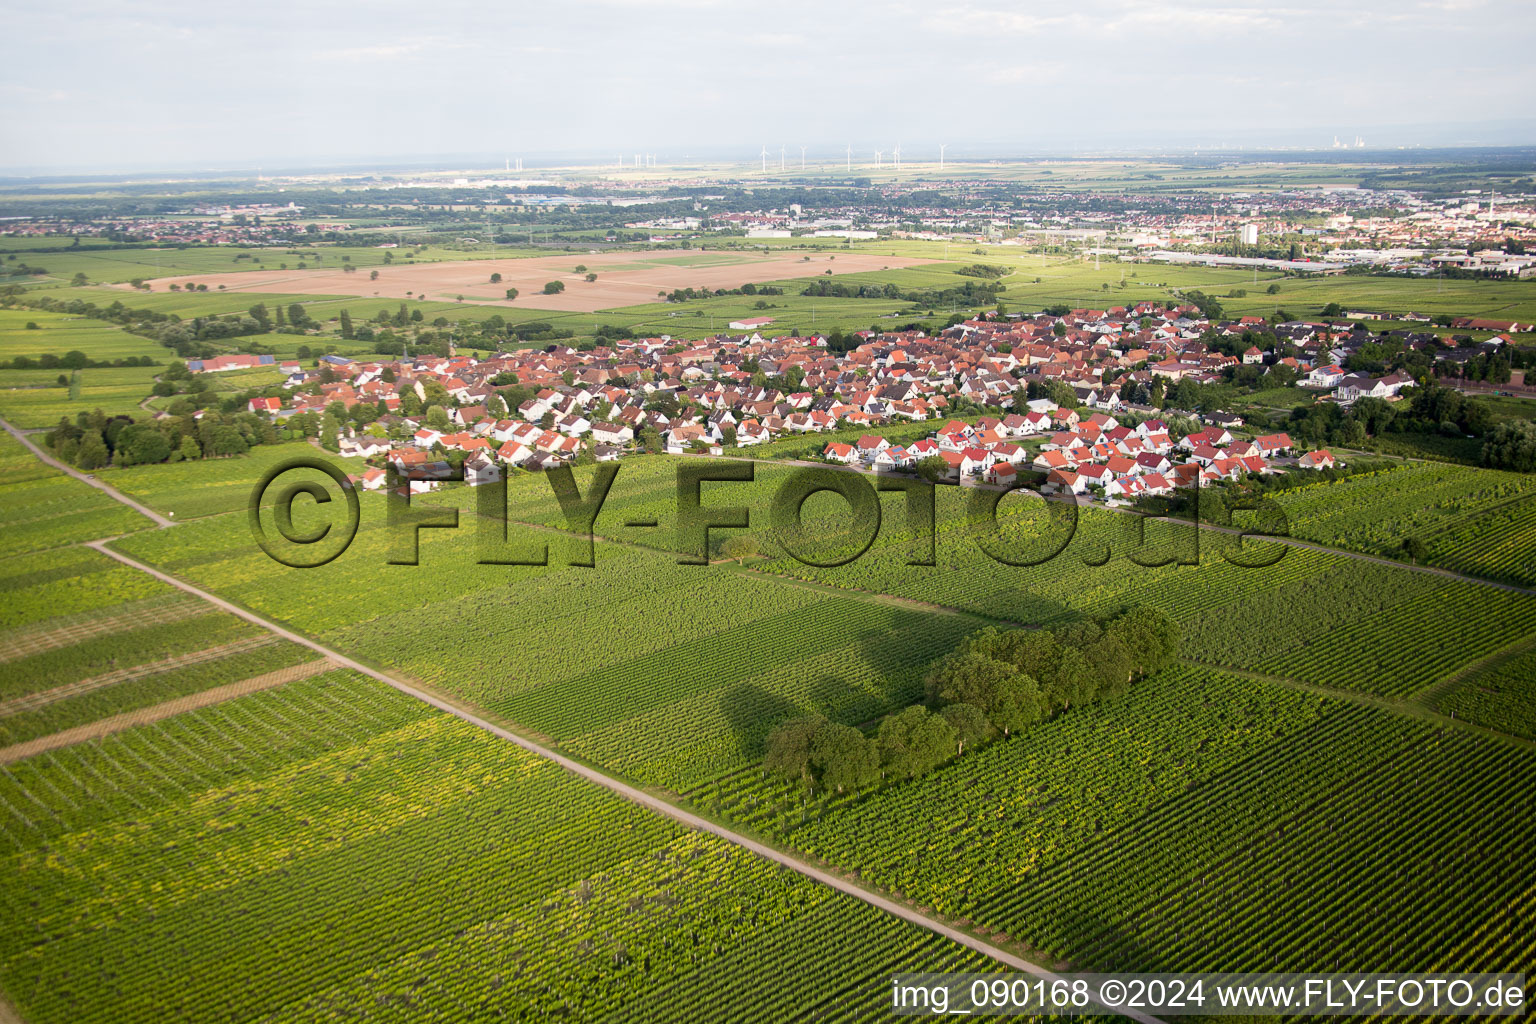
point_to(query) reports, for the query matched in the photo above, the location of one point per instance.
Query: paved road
(628, 792)
(112, 492)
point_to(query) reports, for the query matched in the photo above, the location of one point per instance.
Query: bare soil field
(623, 278)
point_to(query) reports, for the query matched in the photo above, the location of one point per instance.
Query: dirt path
(155, 712)
(42, 698)
(645, 799)
(110, 491)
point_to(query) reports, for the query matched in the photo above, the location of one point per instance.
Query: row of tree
(93, 440)
(995, 682)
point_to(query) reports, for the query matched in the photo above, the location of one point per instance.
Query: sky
(116, 85)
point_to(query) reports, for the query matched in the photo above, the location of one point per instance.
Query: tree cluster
(995, 682)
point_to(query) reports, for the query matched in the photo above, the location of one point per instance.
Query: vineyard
(1201, 823)
(66, 582)
(121, 651)
(1104, 836)
(42, 508)
(1500, 545)
(1376, 512)
(1315, 616)
(1501, 696)
(208, 487)
(140, 866)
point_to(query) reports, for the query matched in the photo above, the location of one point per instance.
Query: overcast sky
(119, 84)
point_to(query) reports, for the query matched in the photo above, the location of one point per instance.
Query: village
(1086, 401)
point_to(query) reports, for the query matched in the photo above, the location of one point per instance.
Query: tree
(970, 725)
(140, 444)
(554, 287)
(843, 758)
(967, 677)
(789, 748)
(92, 451)
(912, 741)
(1150, 635)
(373, 275)
(1416, 549)
(1033, 652)
(739, 547)
(438, 419)
(511, 294)
(346, 326)
(1511, 445)
(1061, 393)
(1112, 663)
(189, 449)
(228, 440)
(1017, 704)
(1071, 680)
(1010, 699)
(591, 278)
(495, 279)
(933, 468)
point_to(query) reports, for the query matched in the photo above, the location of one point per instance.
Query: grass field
(58, 333)
(115, 391)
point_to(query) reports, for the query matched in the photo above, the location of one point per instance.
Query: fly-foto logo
(1039, 527)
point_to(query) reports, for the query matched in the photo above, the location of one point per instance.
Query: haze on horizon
(145, 85)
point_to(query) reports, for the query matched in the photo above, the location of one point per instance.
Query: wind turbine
(802, 158)
(896, 156)
(848, 158)
(877, 159)
(942, 147)
(781, 159)
(765, 159)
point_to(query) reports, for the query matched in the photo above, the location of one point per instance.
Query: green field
(58, 333)
(1500, 695)
(1376, 512)
(310, 812)
(41, 507)
(1122, 840)
(205, 487)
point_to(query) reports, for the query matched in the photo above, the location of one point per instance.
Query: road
(110, 491)
(647, 800)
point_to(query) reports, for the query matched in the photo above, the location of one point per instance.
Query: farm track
(111, 492)
(33, 701)
(648, 800)
(156, 712)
